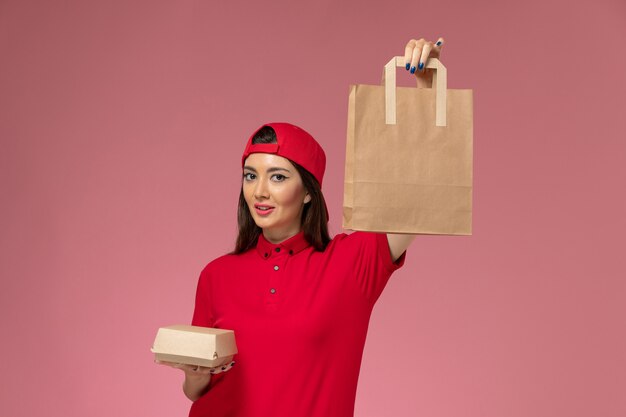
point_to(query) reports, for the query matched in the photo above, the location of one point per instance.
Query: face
(271, 181)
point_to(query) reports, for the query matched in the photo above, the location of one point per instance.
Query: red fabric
(300, 348)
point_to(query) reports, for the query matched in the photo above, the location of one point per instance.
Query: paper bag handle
(439, 84)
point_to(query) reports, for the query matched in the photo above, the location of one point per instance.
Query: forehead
(265, 160)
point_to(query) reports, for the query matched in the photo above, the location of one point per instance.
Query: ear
(307, 198)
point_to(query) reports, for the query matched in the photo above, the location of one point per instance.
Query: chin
(262, 223)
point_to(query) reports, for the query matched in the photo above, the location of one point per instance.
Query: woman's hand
(200, 371)
(198, 378)
(416, 54)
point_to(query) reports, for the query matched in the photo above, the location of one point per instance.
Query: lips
(263, 210)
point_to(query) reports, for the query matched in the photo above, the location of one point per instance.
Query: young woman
(298, 301)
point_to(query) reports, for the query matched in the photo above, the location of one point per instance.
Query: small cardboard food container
(194, 345)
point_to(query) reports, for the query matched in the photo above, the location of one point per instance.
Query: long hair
(314, 220)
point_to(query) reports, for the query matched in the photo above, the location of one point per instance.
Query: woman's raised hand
(416, 54)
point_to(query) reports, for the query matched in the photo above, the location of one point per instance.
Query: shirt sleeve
(202, 312)
(202, 316)
(373, 264)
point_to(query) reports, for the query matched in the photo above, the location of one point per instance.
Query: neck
(278, 236)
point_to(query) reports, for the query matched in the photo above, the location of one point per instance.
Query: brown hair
(314, 221)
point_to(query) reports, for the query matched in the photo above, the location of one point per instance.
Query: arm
(414, 52)
(398, 243)
(197, 378)
(195, 386)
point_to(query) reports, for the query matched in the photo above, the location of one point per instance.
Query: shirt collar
(291, 246)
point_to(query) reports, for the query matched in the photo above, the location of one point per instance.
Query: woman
(298, 301)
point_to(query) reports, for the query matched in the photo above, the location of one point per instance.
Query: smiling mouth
(263, 210)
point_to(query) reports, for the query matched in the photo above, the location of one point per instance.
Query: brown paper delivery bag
(409, 156)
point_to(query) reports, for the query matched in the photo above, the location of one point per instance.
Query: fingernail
(408, 65)
(233, 363)
(412, 70)
(439, 43)
(421, 65)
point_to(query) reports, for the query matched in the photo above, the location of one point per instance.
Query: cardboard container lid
(194, 344)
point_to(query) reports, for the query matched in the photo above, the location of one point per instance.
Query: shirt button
(290, 252)
(277, 249)
(275, 267)
(273, 290)
(267, 254)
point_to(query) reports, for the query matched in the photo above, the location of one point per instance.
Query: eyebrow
(272, 169)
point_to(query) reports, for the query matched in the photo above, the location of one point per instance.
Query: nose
(261, 189)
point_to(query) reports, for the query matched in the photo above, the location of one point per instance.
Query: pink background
(122, 125)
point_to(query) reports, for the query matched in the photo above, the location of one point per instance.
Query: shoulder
(222, 263)
(357, 237)
(358, 240)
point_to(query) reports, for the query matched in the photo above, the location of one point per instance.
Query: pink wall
(121, 125)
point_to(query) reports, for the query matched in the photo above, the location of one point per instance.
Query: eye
(245, 176)
(282, 177)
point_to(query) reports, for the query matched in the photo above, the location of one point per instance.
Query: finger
(224, 368)
(196, 369)
(424, 57)
(408, 53)
(417, 51)
(439, 43)
(219, 369)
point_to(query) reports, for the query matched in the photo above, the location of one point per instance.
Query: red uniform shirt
(300, 319)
